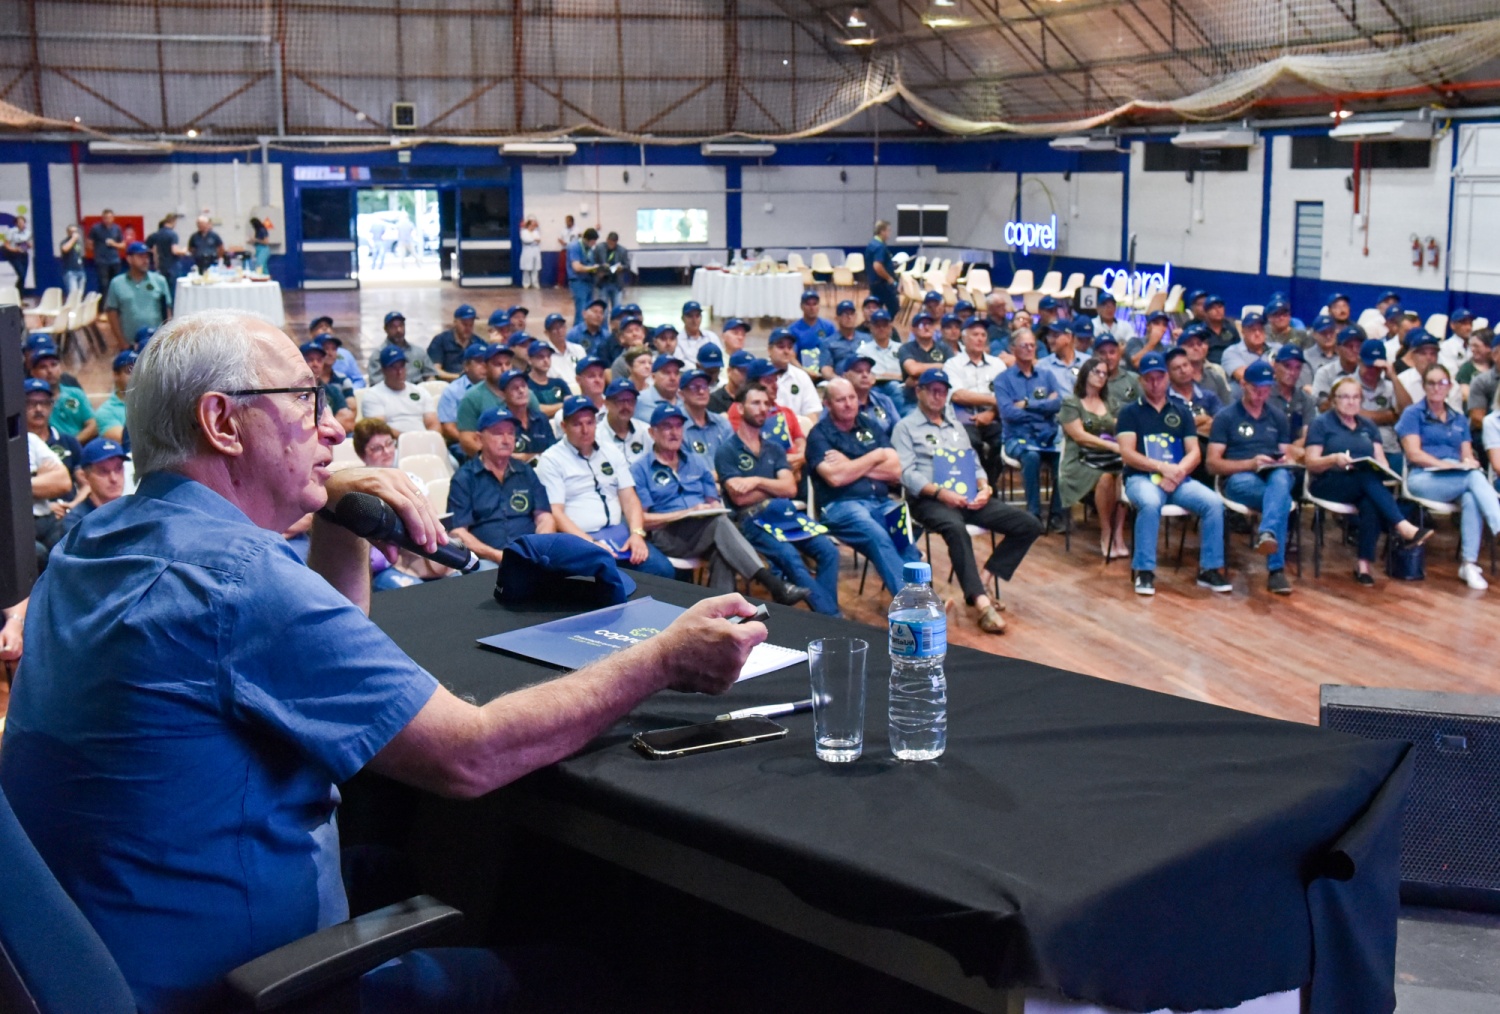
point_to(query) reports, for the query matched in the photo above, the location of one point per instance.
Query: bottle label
(926, 639)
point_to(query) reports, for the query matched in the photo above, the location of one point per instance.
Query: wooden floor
(1247, 650)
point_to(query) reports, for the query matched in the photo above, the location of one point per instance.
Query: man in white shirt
(795, 390)
(404, 407)
(883, 351)
(593, 494)
(1121, 329)
(693, 336)
(566, 355)
(973, 372)
(620, 428)
(49, 481)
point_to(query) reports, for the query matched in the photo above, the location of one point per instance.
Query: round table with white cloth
(734, 295)
(263, 298)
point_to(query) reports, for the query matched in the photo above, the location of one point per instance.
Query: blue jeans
(583, 294)
(1030, 457)
(611, 293)
(861, 524)
(1474, 495)
(786, 558)
(1271, 494)
(656, 562)
(74, 280)
(1148, 499)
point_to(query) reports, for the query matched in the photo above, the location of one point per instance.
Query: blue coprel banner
(575, 641)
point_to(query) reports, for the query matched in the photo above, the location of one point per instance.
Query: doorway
(399, 232)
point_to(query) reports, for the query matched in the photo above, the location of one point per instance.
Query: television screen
(671, 225)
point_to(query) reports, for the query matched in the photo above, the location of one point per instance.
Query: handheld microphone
(372, 518)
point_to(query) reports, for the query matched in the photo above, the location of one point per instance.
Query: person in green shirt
(139, 298)
(111, 414)
(71, 412)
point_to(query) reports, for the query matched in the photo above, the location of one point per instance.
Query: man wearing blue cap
(673, 485)
(1338, 308)
(859, 370)
(1388, 298)
(1159, 448)
(1393, 331)
(72, 413)
(1382, 396)
(632, 332)
(710, 362)
(867, 306)
(517, 315)
(579, 258)
(663, 340)
(590, 377)
(1154, 340)
(316, 357)
(592, 493)
(732, 337)
(735, 378)
(703, 430)
(103, 465)
(534, 433)
(1048, 309)
(950, 332)
(1253, 347)
(342, 362)
(885, 353)
(973, 372)
(694, 339)
(1347, 345)
(565, 355)
(549, 391)
(810, 331)
(621, 428)
(1249, 448)
(1029, 399)
(52, 492)
(1221, 334)
(499, 328)
(1121, 328)
(111, 414)
(758, 485)
(947, 508)
(446, 349)
(1288, 395)
(1203, 403)
(419, 365)
(1319, 346)
(591, 332)
(880, 269)
(846, 341)
(853, 468)
(1454, 349)
(494, 497)
(1193, 302)
(476, 369)
(138, 298)
(1484, 382)
(1122, 387)
(204, 245)
(796, 390)
(666, 380)
(1280, 328)
(932, 303)
(923, 352)
(1064, 360)
(406, 407)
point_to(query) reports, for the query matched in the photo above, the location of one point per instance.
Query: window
(1323, 152)
(671, 225)
(1169, 158)
(922, 223)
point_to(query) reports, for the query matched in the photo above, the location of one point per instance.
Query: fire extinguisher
(1416, 251)
(1432, 252)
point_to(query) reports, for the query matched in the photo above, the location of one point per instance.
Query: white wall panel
(1211, 223)
(152, 189)
(599, 197)
(1088, 209)
(1476, 209)
(15, 182)
(1401, 202)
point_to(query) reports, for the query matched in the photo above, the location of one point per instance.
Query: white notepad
(767, 657)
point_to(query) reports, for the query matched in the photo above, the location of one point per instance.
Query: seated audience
(1154, 340)
(1484, 383)
(1455, 350)
(375, 445)
(591, 334)
(973, 372)
(592, 493)
(1338, 308)
(1120, 327)
(549, 391)
(1219, 332)
(446, 349)
(710, 363)
(621, 429)
(722, 398)
(341, 361)
(1287, 394)
(810, 331)
(853, 468)
(72, 412)
(1249, 447)
(1441, 466)
(1339, 442)
(781, 426)
(408, 408)
(758, 484)
(795, 388)
(997, 310)
(495, 499)
(672, 483)
(1123, 387)
(632, 339)
(885, 353)
(1420, 355)
(703, 430)
(1194, 341)
(732, 337)
(638, 363)
(859, 370)
(566, 355)
(1064, 360)
(1281, 329)
(476, 370)
(947, 507)
(1029, 399)
(1252, 347)
(315, 354)
(843, 344)
(111, 414)
(1091, 456)
(695, 338)
(51, 484)
(666, 384)
(1201, 400)
(1319, 348)
(923, 352)
(1348, 343)
(1159, 449)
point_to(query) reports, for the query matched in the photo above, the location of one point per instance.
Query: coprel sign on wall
(1032, 235)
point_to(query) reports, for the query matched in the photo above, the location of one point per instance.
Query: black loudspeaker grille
(1451, 834)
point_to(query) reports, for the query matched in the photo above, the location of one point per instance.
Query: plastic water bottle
(918, 718)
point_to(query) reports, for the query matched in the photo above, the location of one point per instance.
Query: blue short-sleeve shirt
(1442, 440)
(1161, 435)
(664, 489)
(496, 513)
(865, 436)
(1245, 436)
(190, 697)
(734, 461)
(1329, 432)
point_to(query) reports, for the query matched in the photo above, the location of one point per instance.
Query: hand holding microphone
(383, 506)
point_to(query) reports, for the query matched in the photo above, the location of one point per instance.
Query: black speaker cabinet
(1450, 838)
(17, 532)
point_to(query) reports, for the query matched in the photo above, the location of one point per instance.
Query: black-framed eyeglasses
(319, 395)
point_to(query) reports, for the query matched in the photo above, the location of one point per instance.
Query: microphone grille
(363, 514)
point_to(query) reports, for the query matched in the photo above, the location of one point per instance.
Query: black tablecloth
(1121, 846)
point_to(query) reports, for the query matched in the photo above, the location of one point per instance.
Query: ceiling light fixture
(944, 14)
(857, 18)
(1340, 114)
(192, 132)
(857, 30)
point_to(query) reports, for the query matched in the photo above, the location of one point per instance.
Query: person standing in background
(881, 269)
(168, 248)
(17, 246)
(613, 265)
(70, 258)
(260, 245)
(578, 259)
(109, 245)
(531, 253)
(204, 245)
(567, 236)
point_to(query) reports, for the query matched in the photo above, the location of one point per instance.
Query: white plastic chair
(1022, 283)
(1319, 508)
(435, 388)
(794, 260)
(1480, 323)
(855, 262)
(1051, 284)
(427, 467)
(820, 264)
(1250, 308)
(50, 304)
(1372, 323)
(421, 442)
(10, 295)
(1173, 303)
(437, 495)
(343, 454)
(1072, 285)
(978, 285)
(1437, 325)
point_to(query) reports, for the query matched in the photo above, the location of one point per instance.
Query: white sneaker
(1471, 575)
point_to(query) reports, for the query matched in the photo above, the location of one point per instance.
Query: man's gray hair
(189, 356)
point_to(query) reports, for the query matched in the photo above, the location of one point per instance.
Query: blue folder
(574, 641)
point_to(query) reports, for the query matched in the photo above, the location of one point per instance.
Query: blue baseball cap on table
(588, 362)
(692, 375)
(761, 369)
(741, 360)
(576, 403)
(35, 385)
(711, 357)
(137, 248)
(465, 312)
(391, 355)
(101, 449)
(1260, 374)
(393, 315)
(477, 350)
(553, 319)
(736, 324)
(1371, 350)
(308, 348)
(495, 414)
(845, 306)
(1151, 362)
(498, 318)
(509, 377)
(663, 361)
(781, 334)
(619, 387)
(933, 376)
(691, 306)
(128, 357)
(666, 410)
(1289, 352)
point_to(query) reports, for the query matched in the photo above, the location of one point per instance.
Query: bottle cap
(917, 573)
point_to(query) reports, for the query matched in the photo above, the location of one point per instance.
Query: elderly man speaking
(192, 692)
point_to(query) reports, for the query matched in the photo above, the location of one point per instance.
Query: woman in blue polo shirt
(1441, 466)
(1337, 441)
